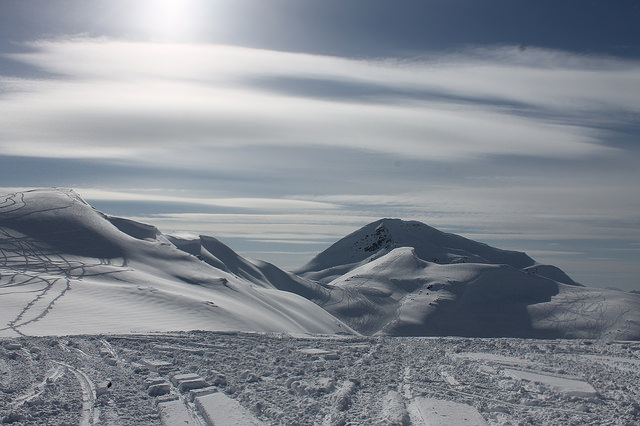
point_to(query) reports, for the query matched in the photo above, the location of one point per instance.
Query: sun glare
(169, 20)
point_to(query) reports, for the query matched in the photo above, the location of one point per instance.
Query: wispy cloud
(279, 151)
(118, 99)
(261, 204)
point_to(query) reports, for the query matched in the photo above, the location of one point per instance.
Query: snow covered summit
(381, 237)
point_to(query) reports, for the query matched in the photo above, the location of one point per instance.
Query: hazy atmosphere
(282, 126)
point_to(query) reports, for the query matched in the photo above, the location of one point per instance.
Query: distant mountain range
(66, 268)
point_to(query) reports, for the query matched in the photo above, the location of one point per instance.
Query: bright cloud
(117, 99)
(282, 151)
(263, 204)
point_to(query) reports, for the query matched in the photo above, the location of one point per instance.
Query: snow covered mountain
(66, 268)
(395, 277)
(381, 237)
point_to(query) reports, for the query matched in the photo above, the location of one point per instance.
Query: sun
(169, 20)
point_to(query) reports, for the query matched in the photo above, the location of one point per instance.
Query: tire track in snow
(90, 413)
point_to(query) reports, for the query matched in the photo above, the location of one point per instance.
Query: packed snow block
(220, 410)
(175, 413)
(159, 389)
(188, 381)
(154, 380)
(179, 378)
(103, 388)
(194, 393)
(567, 385)
(12, 346)
(217, 379)
(156, 365)
(433, 411)
(394, 411)
(188, 385)
(167, 397)
(139, 368)
(314, 351)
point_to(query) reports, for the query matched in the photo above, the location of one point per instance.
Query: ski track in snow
(38, 270)
(281, 379)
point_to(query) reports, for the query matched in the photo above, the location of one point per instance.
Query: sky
(281, 126)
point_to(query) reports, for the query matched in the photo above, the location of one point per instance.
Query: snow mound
(432, 411)
(69, 269)
(401, 294)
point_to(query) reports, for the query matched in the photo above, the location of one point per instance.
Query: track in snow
(280, 379)
(90, 414)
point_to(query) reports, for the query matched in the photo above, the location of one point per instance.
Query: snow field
(279, 379)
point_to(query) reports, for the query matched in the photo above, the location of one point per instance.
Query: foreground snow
(209, 377)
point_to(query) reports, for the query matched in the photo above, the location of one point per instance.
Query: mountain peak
(382, 236)
(387, 234)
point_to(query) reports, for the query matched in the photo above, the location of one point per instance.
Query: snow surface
(269, 378)
(381, 237)
(68, 269)
(399, 278)
(438, 412)
(124, 294)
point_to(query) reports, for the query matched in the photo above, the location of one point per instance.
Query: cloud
(129, 100)
(262, 204)
(278, 151)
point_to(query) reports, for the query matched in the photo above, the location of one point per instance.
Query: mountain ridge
(378, 238)
(67, 268)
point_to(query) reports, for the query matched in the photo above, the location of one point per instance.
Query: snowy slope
(381, 237)
(260, 273)
(68, 269)
(400, 294)
(405, 278)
